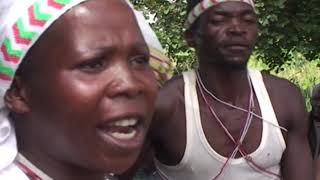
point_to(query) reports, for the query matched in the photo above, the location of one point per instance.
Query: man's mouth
(237, 47)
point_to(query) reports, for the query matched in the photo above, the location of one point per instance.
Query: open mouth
(124, 129)
(126, 133)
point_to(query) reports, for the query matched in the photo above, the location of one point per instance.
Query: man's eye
(217, 20)
(92, 66)
(139, 61)
(250, 19)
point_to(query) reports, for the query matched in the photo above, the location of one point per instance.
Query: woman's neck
(60, 170)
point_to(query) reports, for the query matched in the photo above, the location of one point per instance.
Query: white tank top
(202, 162)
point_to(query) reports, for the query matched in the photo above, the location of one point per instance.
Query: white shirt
(202, 162)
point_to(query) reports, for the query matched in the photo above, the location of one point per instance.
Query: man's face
(227, 33)
(92, 96)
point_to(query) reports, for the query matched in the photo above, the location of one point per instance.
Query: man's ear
(188, 35)
(192, 37)
(16, 97)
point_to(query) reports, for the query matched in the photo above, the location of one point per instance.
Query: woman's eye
(92, 66)
(139, 61)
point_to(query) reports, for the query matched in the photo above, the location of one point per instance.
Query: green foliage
(285, 27)
(305, 74)
(169, 18)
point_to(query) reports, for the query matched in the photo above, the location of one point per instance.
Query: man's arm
(165, 107)
(297, 160)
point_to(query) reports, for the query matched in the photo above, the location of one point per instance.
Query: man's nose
(236, 27)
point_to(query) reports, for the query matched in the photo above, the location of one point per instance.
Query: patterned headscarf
(204, 5)
(22, 22)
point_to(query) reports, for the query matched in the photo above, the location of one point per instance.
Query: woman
(77, 88)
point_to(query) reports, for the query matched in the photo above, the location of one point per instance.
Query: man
(77, 91)
(315, 102)
(223, 121)
(315, 121)
(314, 132)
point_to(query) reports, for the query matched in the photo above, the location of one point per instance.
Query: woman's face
(91, 95)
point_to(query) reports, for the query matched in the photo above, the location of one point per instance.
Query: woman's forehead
(110, 12)
(99, 22)
(88, 28)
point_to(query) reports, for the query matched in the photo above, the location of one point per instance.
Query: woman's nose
(124, 83)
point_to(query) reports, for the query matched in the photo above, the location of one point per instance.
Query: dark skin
(228, 33)
(315, 102)
(315, 116)
(89, 70)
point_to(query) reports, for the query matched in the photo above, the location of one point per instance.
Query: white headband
(204, 5)
(159, 62)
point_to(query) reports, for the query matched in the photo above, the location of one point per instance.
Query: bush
(305, 74)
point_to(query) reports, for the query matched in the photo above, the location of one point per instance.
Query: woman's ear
(16, 97)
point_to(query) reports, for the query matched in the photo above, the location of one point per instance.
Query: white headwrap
(22, 23)
(159, 62)
(203, 6)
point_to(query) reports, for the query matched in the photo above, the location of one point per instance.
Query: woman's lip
(124, 139)
(122, 116)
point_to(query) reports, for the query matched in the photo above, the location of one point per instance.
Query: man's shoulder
(169, 104)
(317, 87)
(172, 89)
(280, 86)
(316, 90)
(286, 98)
(173, 83)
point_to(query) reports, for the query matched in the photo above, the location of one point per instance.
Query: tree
(285, 27)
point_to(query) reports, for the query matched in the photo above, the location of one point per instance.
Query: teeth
(124, 136)
(126, 122)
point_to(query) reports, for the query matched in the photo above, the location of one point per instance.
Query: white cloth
(8, 144)
(12, 172)
(204, 5)
(11, 12)
(158, 60)
(201, 161)
(147, 32)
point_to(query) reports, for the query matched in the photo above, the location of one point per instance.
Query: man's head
(224, 33)
(90, 96)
